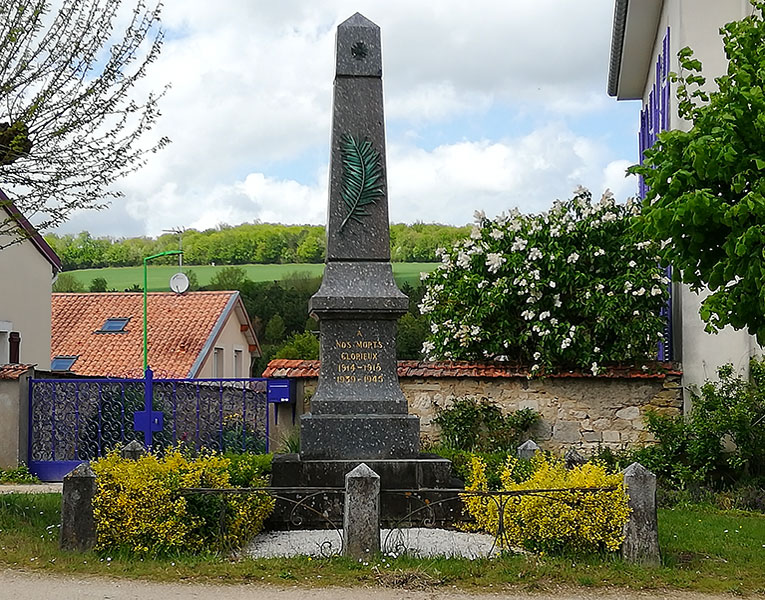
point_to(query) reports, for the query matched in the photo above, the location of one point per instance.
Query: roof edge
(308, 369)
(617, 45)
(241, 311)
(213, 334)
(31, 232)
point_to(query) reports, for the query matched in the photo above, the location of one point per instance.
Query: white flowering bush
(571, 287)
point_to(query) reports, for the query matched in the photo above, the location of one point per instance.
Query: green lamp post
(145, 312)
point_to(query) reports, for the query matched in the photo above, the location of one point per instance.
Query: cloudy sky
(490, 104)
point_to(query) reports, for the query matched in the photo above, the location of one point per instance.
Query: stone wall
(579, 412)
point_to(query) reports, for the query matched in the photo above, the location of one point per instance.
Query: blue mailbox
(280, 391)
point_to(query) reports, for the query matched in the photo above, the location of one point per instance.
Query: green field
(120, 278)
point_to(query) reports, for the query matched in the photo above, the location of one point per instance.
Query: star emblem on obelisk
(359, 50)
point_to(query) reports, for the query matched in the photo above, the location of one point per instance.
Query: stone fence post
(527, 449)
(573, 459)
(361, 519)
(133, 451)
(78, 526)
(641, 532)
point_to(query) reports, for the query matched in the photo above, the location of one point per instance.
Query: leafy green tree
(228, 278)
(412, 333)
(66, 282)
(302, 281)
(71, 122)
(707, 185)
(312, 248)
(300, 346)
(275, 329)
(193, 280)
(98, 284)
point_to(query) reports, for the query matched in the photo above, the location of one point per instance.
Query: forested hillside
(261, 243)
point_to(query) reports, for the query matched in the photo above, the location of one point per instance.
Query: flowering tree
(571, 287)
(71, 119)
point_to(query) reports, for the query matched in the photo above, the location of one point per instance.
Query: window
(114, 325)
(5, 329)
(62, 363)
(237, 363)
(14, 351)
(218, 362)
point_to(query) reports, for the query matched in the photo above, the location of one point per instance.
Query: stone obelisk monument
(358, 412)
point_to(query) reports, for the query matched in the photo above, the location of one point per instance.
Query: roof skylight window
(114, 325)
(62, 363)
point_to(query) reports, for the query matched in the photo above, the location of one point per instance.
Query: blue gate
(74, 420)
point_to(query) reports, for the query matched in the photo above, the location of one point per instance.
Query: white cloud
(615, 178)
(249, 109)
(529, 172)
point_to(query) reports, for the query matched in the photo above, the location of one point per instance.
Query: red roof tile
(414, 368)
(179, 327)
(10, 372)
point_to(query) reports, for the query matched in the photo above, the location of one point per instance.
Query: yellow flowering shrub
(568, 520)
(138, 506)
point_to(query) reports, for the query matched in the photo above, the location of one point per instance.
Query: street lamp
(145, 313)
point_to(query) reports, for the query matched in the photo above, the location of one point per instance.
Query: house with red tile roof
(28, 267)
(191, 335)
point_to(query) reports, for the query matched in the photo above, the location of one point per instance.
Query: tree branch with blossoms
(568, 288)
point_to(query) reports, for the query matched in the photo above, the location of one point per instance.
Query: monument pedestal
(399, 480)
(365, 437)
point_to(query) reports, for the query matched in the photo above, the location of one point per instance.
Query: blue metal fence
(74, 420)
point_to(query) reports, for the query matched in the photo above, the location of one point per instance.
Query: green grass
(698, 555)
(17, 475)
(120, 278)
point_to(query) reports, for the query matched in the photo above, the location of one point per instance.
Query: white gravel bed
(417, 541)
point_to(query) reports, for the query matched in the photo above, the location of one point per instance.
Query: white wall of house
(25, 302)
(230, 341)
(696, 24)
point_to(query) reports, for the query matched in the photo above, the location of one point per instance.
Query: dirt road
(20, 585)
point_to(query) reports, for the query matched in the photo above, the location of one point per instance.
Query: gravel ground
(424, 542)
(30, 488)
(21, 585)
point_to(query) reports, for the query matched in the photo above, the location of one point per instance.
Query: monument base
(399, 481)
(359, 436)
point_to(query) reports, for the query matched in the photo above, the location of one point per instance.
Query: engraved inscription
(359, 363)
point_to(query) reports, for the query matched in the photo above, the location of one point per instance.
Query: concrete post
(641, 532)
(133, 451)
(361, 520)
(528, 449)
(573, 459)
(78, 526)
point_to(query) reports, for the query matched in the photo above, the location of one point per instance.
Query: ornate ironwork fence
(74, 420)
(320, 509)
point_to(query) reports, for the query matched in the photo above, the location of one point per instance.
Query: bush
(303, 346)
(17, 475)
(721, 443)
(567, 288)
(98, 284)
(67, 282)
(248, 469)
(479, 425)
(494, 461)
(556, 522)
(138, 507)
